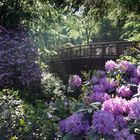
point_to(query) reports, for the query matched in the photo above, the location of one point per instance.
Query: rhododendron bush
(111, 105)
(18, 56)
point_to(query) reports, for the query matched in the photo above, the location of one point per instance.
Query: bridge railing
(95, 50)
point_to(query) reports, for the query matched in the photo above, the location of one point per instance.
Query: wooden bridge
(84, 57)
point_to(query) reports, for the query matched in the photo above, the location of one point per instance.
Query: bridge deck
(96, 50)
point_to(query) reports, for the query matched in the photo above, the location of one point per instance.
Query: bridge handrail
(113, 42)
(92, 48)
(102, 43)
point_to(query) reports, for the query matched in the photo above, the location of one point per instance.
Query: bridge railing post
(80, 51)
(117, 49)
(103, 51)
(94, 50)
(70, 53)
(62, 53)
(90, 51)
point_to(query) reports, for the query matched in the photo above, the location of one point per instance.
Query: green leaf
(118, 77)
(95, 105)
(89, 110)
(93, 136)
(136, 130)
(69, 137)
(22, 122)
(14, 138)
(107, 137)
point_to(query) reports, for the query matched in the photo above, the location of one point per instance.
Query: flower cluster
(75, 125)
(124, 134)
(115, 105)
(124, 91)
(118, 91)
(125, 66)
(75, 81)
(110, 65)
(99, 97)
(103, 122)
(134, 108)
(18, 57)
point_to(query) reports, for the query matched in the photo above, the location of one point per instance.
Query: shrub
(52, 87)
(56, 97)
(12, 119)
(111, 105)
(20, 120)
(24, 120)
(18, 57)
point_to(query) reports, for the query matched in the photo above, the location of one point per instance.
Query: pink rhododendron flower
(110, 65)
(115, 105)
(75, 81)
(124, 91)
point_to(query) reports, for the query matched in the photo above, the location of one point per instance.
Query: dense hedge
(18, 56)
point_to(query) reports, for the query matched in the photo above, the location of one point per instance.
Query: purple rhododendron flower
(74, 125)
(99, 88)
(103, 122)
(134, 108)
(134, 73)
(100, 73)
(75, 81)
(95, 79)
(110, 65)
(134, 80)
(62, 126)
(116, 106)
(124, 91)
(108, 83)
(124, 134)
(120, 121)
(126, 66)
(99, 97)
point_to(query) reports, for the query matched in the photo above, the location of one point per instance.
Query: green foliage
(135, 59)
(21, 120)
(74, 93)
(55, 23)
(96, 136)
(11, 115)
(12, 12)
(129, 59)
(52, 87)
(68, 137)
